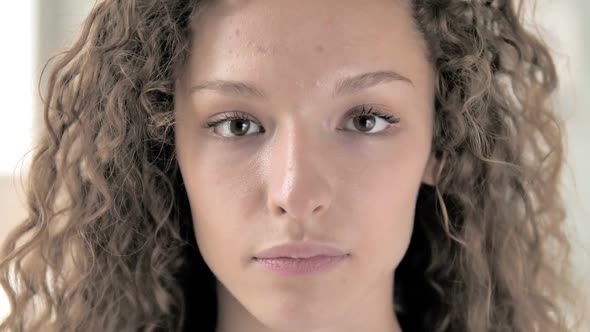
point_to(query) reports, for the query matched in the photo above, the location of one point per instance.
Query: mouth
(290, 266)
(301, 250)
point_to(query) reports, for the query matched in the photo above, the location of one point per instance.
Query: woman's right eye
(233, 125)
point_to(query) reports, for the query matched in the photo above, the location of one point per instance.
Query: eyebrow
(347, 85)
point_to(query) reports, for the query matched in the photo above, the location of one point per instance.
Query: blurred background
(33, 30)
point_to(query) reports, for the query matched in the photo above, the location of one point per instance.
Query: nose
(299, 187)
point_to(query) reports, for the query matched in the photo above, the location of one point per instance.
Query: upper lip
(301, 250)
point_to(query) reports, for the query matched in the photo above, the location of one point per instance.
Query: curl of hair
(108, 237)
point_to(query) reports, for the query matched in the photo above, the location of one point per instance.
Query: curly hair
(108, 237)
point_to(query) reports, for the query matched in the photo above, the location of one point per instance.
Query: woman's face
(300, 168)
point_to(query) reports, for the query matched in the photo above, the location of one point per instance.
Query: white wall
(566, 29)
(30, 30)
(16, 91)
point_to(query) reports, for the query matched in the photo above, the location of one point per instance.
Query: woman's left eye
(369, 121)
(364, 119)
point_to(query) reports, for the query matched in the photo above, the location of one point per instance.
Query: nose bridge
(299, 185)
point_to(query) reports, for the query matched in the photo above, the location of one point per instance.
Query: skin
(306, 172)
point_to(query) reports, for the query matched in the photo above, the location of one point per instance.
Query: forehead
(304, 39)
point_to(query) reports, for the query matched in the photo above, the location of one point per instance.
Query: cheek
(226, 202)
(218, 234)
(388, 232)
(215, 207)
(386, 210)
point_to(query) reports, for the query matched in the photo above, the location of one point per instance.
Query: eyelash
(356, 112)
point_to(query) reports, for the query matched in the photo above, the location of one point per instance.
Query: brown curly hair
(108, 235)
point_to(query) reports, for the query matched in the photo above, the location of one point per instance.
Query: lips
(291, 267)
(301, 250)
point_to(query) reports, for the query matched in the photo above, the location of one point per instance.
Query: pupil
(364, 120)
(239, 129)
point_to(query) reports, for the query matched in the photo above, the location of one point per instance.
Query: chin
(294, 316)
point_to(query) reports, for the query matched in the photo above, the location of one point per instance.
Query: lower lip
(299, 266)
